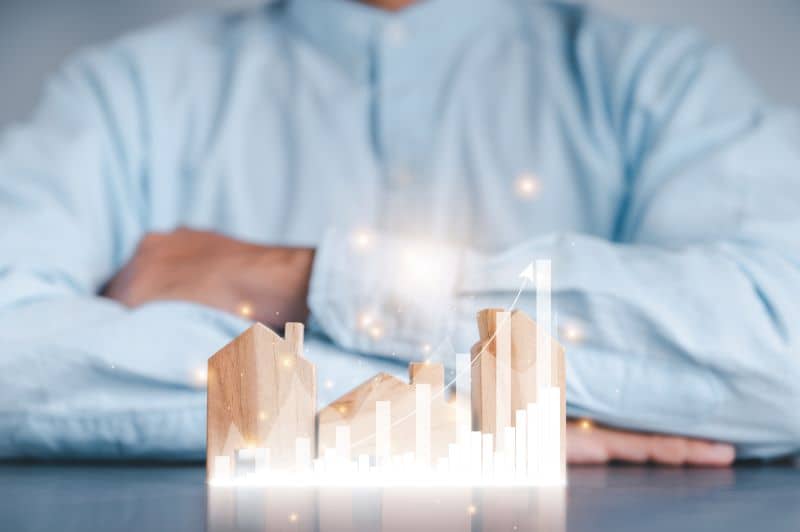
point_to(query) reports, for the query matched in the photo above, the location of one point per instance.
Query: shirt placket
(402, 159)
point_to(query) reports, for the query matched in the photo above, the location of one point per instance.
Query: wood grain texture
(428, 373)
(501, 328)
(262, 393)
(523, 372)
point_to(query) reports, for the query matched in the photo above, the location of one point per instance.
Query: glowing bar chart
(501, 424)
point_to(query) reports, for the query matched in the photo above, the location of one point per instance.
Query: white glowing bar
(463, 399)
(488, 455)
(302, 449)
(222, 467)
(502, 341)
(423, 418)
(549, 466)
(453, 457)
(561, 446)
(500, 464)
(408, 463)
(521, 424)
(383, 415)
(318, 465)
(554, 432)
(245, 462)
(262, 460)
(547, 439)
(510, 450)
(475, 457)
(543, 322)
(343, 444)
(363, 463)
(544, 446)
(442, 466)
(331, 459)
(533, 440)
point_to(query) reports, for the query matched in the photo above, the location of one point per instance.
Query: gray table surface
(108, 497)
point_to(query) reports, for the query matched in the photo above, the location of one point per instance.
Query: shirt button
(396, 34)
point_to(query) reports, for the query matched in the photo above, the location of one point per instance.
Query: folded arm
(81, 374)
(106, 324)
(682, 322)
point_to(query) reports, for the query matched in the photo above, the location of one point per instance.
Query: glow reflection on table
(398, 509)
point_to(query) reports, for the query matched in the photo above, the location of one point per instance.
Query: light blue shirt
(429, 156)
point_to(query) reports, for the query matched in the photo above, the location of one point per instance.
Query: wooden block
(293, 334)
(356, 410)
(486, 323)
(261, 393)
(523, 360)
(427, 373)
(503, 408)
(483, 388)
(523, 378)
(560, 380)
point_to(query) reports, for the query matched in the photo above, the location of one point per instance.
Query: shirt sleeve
(683, 321)
(79, 374)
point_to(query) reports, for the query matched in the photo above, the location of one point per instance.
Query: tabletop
(86, 497)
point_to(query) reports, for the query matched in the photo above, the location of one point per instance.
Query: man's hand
(269, 284)
(588, 443)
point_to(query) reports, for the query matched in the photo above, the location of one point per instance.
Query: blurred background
(36, 35)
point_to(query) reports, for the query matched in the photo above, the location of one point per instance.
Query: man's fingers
(591, 444)
(710, 454)
(624, 446)
(673, 450)
(668, 450)
(583, 447)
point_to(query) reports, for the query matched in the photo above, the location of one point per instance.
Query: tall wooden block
(524, 381)
(261, 393)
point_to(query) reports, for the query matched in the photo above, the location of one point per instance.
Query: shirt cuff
(382, 294)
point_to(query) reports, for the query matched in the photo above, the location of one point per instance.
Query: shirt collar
(350, 31)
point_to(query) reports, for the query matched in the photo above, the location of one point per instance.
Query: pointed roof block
(259, 386)
(524, 361)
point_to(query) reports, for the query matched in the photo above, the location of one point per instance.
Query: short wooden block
(356, 410)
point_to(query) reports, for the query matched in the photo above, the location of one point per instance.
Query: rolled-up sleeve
(79, 374)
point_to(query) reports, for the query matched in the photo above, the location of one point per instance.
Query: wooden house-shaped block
(357, 410)
(512, 363)
(261, 394)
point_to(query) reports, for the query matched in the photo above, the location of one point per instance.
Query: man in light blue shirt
(382, 173)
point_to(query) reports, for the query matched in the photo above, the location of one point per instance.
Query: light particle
(245, 309)
(527, 186)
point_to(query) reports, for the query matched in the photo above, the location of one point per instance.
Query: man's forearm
(277, 285)
(264, 283)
